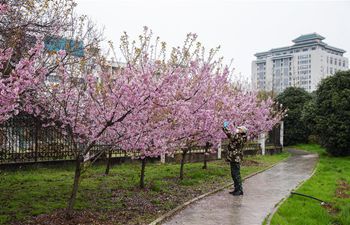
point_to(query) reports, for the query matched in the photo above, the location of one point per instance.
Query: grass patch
(31, 191)
(329, 183)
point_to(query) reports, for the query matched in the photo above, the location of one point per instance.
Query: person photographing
(237, 140)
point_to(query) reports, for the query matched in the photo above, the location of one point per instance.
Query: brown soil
(59, 218)
(343, 189)
(331, 209)
(140, 207)
(251, 163)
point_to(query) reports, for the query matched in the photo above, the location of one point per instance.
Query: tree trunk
(207, 145)
(184, 152)
(74, 192)
(205, 160)
(142, 177)
(108, 162)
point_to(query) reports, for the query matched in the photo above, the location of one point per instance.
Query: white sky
(242, 28)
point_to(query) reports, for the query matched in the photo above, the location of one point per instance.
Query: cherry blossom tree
(193, 109)
(167, 120)
(199, 122)
(155, 105)
(246, 109)
(91, 109)
(60, 27)
(203, 118)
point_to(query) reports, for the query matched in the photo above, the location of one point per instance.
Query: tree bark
(207, 146)
(205, 160)
(71, 202)
(142, 177)
(108, 162)
(184, 152)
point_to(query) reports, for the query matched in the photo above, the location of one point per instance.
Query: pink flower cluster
(19, 83)
(149, 109)
(3, 8)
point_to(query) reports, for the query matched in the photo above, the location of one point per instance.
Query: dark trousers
(236, 175)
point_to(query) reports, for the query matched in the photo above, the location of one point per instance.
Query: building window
(331, 61)
(343, 63)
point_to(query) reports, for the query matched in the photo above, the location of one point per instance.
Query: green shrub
(313, 139)
(333, 113)
(295, 129)
(308, 114)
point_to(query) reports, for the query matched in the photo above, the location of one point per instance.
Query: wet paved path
(261, 193)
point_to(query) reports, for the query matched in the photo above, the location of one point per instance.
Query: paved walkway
(261, 193)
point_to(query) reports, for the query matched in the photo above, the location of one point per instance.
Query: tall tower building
(304, 64)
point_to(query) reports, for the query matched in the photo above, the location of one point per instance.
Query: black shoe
(231, 192)
(236, 193)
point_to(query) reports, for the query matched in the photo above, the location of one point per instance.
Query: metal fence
(24, 140)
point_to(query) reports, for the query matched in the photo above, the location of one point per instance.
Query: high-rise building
(303, 64)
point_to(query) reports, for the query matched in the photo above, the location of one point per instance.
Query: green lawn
(28, 192)
(330, 183)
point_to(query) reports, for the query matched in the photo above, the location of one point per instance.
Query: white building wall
(269, 72)
(254, 76)
(307, 68)
(316, 69)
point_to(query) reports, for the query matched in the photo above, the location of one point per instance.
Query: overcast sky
(242, 28)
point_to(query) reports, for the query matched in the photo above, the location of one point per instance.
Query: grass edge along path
(36, 194)
(330, 182)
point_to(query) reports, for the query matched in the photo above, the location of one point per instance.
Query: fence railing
(24, 140)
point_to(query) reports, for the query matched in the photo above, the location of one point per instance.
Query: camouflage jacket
(235, 146)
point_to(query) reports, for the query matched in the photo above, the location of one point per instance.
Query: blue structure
(72, 47)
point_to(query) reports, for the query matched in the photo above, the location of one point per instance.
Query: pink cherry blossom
(149, 108)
